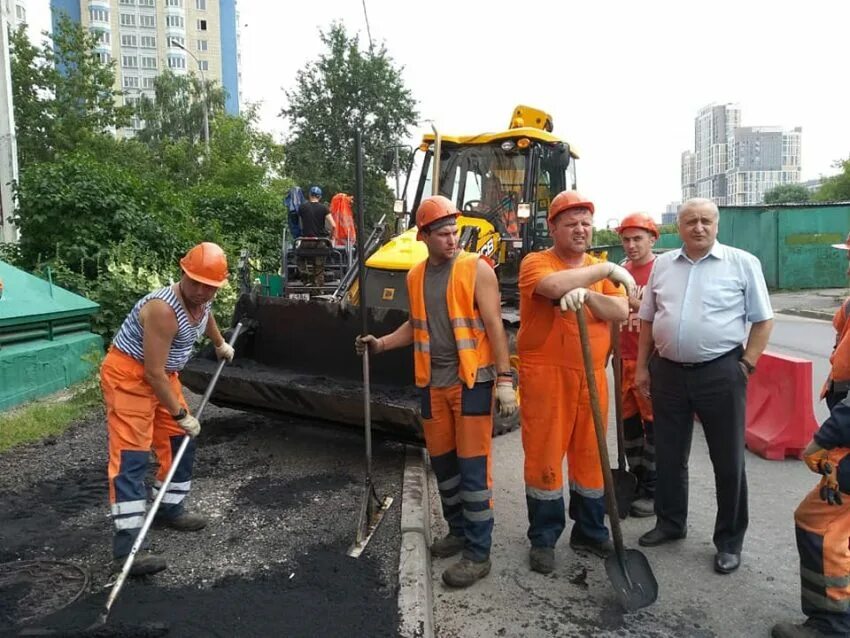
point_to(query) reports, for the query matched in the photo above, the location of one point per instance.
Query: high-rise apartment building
(734, 165)
(761, 158)
(142, 36)
(16, 12)
(713, 129)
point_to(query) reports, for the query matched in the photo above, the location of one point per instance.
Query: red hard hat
(567, 200)
(433, 209)
(207, 264)
(638, 220)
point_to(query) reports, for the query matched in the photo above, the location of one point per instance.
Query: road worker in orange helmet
(460, 357)
(638, 234)
(555, 414)
(144, 401)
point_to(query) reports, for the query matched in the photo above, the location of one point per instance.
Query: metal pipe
(435, 176)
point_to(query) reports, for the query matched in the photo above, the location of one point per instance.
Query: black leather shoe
(656, 537)
(726, 563)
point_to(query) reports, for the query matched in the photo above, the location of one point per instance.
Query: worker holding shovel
(556, 417)
(144, 400)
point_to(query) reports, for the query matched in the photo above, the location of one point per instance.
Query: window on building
(175, 62)
(174, 21)
(128, 40)
(174, 3)
(148, 83)
(131, 82)
(105, 58)
(201, 5)
(147, 3)
(129, 61)
(175, 40)
(202, 25)
(204, 65)
(20, 14)
(202, 45)
(148, 63)
(103, 37)
(147, 21)
(149, 41)
(127, 2)
(99, 15)
(128, 20)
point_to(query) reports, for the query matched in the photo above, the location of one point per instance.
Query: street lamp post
(206, 96)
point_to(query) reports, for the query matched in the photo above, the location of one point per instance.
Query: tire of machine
(503, 425)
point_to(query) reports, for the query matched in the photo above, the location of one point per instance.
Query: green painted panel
(806, 257)
(668, 241)
(29, 299)
(37, 368)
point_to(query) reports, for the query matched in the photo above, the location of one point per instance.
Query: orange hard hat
(567, 200)
(434, 209)
(207, 264)
(638, 220)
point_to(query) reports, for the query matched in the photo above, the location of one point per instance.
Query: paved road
(693, 601)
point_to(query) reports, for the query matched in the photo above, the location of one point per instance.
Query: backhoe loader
(297, 356)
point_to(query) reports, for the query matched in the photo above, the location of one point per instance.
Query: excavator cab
(298, 357)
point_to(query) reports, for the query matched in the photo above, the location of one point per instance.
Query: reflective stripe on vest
(473, 346)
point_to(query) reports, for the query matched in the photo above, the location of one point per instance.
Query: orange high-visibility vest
(839, 374)
(473, 346)
(344, 219)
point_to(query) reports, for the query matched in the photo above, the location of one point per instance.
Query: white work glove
(225, 351)
(190, 425)
(574, 299)
(375, 345)
(506, 397)
(620, 275)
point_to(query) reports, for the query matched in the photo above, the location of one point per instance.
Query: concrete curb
(823, 315)
(415, 593)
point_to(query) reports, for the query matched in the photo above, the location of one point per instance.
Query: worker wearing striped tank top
(145, 408)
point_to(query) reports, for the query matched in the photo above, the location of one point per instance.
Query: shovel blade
(633, 580)
(625, 489)
(363, 538)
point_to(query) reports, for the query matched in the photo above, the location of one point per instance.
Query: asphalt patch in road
(292, 599)
(285, 494)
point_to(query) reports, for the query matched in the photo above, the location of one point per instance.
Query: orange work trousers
(557, 420)
(136, 423)
(458, 424)
(634, 402)
(823, 542)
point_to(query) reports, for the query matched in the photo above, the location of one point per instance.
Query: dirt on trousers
(282, 499)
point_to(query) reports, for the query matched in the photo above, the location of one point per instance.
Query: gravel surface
(282, 499)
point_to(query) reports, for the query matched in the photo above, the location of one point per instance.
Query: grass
(45, 417)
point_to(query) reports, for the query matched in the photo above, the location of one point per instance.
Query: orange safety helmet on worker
(568, 200)
(434, 209)
(837, 383)
(140, 417)
(638, 220)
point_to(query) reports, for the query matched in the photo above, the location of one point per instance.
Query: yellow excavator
(298, 356)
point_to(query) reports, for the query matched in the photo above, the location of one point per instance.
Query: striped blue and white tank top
(130, 337)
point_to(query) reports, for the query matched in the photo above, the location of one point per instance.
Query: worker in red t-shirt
(638, 234)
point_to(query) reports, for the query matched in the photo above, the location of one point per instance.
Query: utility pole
(8, 144)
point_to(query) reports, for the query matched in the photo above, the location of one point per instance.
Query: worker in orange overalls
(838, 383)
(638, 234)
(144, 401)
(556, 415)
(344, 232)
(459, 351)
(822, 523)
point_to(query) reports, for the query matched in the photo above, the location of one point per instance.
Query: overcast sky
(622, 80)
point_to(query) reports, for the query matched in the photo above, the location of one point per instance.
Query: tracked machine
(297, 356)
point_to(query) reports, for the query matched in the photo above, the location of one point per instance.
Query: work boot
(603, 549)
(642, 508)
(465, 572)
(447, 546)
(144, 564)
(789, 630)
(185, 522)
(542, 560)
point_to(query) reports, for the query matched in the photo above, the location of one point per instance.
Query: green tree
(787, 194)
(64, 92)
(837, 187)
(343, 90)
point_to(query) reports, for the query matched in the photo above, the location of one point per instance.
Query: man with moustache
(692, 359)
(556, 415)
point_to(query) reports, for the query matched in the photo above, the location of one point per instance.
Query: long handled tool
(628, 570)
(625, 482)
(372, 507)
(128, 563)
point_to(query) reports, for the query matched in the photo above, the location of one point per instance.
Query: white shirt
(700, 309)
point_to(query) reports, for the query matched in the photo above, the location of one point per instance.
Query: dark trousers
(717, 393)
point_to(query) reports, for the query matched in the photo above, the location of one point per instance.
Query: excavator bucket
(297, 358)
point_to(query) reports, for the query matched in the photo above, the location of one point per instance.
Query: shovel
(625, 482)
(628, 570)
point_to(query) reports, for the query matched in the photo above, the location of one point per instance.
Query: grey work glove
(190, 425)
(574, 299)
(506, 397)
(225, 351)
(375, 344)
